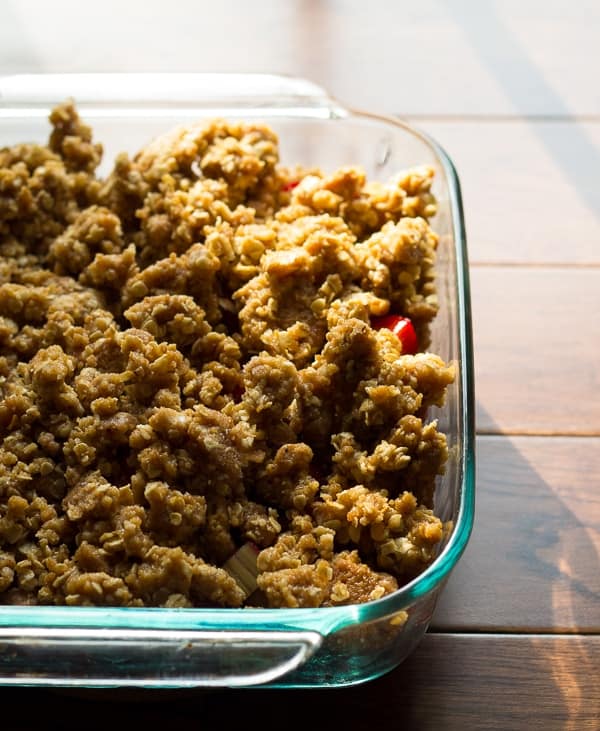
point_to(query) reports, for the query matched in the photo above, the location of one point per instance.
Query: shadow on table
(532, 563)
(509, 62)
(532, 569)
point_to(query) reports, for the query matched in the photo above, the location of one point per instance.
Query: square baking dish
(188, 648)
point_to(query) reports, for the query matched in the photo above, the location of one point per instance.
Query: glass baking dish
(187, 648)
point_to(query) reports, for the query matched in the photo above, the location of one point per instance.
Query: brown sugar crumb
(188, 369)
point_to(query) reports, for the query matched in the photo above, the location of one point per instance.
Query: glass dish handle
(169, 91)
(151, 658)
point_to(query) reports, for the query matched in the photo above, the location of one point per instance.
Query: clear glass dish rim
(280, 95)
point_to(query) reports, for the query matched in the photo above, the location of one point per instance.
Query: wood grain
(450, 682)
(537, 349)
(533, 561)
(530, 188)
(431, 57)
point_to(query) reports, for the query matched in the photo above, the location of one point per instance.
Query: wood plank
(533, 561)
(530, 188)
(523, 58)
(537, 349)
(450, 682)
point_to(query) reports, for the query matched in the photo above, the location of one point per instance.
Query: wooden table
(511, 91)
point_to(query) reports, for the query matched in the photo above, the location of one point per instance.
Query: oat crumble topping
(187, 365)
